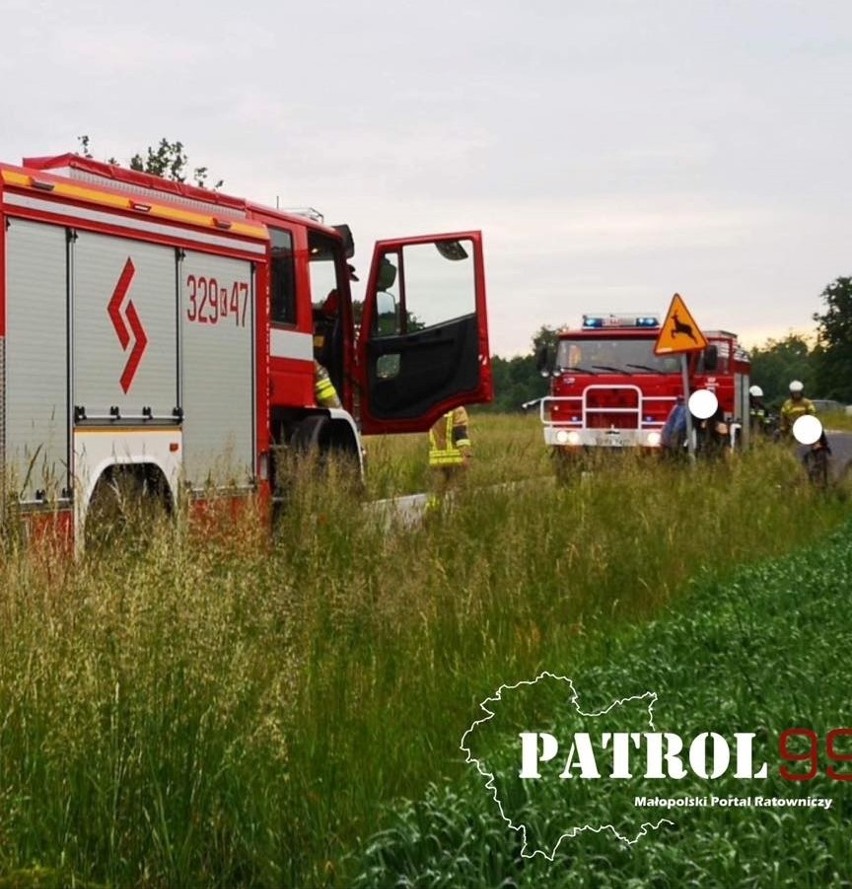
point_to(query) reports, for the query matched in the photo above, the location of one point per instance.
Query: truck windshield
(624, 356)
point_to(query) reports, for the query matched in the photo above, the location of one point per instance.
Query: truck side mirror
(387, 275)
(543, 360)
(711, 357)
(348, 240)
(387, 315)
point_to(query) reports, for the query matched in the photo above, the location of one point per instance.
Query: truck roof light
(308, 212)
(591, 322)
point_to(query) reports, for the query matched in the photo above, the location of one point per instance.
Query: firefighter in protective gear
(324, 391)
(794, 407)
(758, 418)
(325, 319)
(449, 452)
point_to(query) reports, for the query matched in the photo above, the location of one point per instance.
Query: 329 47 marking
(210, 302)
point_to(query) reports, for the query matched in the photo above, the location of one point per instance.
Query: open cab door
(423, 344)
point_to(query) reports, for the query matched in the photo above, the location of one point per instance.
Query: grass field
(220, 709)
(760, 651)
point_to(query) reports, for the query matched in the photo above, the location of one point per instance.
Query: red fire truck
(610, 391)
(167, 333)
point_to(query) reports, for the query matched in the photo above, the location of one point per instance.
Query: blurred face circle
(703, 404)
(807, 430)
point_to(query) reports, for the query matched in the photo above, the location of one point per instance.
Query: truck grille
(606, 406)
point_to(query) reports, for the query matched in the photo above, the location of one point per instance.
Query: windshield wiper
(577, 369)
(615, 370)
(651, 370)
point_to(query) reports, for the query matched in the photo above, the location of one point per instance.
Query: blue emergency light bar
(593, 322)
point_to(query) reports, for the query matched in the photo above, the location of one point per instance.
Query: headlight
(653, 439)
(567, 437)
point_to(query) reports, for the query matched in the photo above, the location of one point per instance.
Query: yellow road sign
(679, 332)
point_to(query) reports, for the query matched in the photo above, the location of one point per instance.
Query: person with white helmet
(794, 407)
(758, 415)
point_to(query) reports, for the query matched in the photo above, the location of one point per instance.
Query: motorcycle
(808, 432)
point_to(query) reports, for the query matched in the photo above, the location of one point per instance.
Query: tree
(518, 379)
(834, 341)
(777, 362)
(545, 339)
(168, 160)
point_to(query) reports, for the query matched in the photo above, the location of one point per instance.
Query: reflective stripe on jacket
(792, 410)
(447, 437)
(324, 391)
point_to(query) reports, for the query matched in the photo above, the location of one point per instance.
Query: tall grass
(220, 709)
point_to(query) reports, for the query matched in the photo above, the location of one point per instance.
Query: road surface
(841, 451)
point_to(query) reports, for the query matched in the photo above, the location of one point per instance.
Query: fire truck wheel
(817, 466)
(334, 448)
(125, 505)
(310, 435)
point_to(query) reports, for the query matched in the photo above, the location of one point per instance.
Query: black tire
(303, 445)
(816, 464)
(310, 434)
(319, 441)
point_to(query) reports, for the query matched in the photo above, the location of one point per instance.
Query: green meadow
(228, 708)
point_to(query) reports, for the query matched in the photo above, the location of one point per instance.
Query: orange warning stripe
(123, 202)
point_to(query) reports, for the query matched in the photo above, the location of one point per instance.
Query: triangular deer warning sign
(679, 332)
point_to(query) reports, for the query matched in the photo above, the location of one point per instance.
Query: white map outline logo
(572, 832)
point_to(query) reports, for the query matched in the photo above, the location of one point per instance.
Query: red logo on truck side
(139, 338)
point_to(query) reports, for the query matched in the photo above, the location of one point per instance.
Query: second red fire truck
(609, 391)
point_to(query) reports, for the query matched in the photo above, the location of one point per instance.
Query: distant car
(827, 405)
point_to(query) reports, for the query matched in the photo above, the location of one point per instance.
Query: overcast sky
(612, 151)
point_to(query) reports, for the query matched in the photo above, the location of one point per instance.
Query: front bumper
(571, 437)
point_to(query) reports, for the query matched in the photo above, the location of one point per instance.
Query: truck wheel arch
(145, 479)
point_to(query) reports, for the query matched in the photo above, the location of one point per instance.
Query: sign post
(684, 374)
(679, 334)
